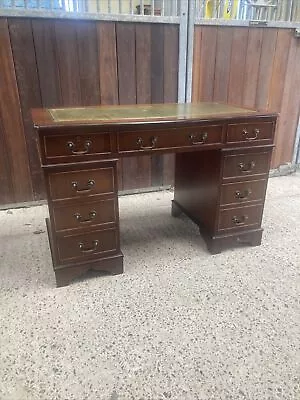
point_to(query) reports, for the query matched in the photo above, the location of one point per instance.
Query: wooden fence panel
(263, 72)
(52, 63)
(12, 123)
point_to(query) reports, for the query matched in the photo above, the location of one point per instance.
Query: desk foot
(65, 274)
(217, 244)
(175, 210)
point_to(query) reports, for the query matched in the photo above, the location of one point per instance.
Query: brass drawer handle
(247, 167)
(202, 138)
(153, 141)
(88, 187)
(239, 220)
(243, 195)
(87, 146)
(246, 133)
(80, 219)
(83, 249)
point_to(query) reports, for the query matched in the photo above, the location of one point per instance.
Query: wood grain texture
(6, 192)
(86, 33)
(47, 62)
(237, 65)
(171, 53)
(157, 91)
(12, 124)
(207, 63)
(143, 91)
(222, 67)
(127, 92)
(196, 64)
(265, 68)
(68, 62)
(252, 66)
(107, 63)
(29, 91)
(290, 109)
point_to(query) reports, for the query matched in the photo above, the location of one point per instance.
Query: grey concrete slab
(178, 324)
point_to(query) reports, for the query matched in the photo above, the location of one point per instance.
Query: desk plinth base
(216, 243)
(65, 273)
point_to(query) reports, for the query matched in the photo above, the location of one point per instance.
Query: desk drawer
(80, 184)
(242, 192)
(254, 133)
(75, 147)
(87, 246)
(203, 136)
(89, 214)
(240, 217)
(241, 165)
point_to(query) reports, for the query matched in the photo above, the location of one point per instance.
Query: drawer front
(76, 147)
(242, 192)
(203, 136)
(87, 246)
(89, 214)
(240, 165)
(240, 217)
(256, 133)
(79, 184)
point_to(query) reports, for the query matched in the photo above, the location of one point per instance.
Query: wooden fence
(254, 67)
(46, 63)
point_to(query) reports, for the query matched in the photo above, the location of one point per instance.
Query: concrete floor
(178, 324)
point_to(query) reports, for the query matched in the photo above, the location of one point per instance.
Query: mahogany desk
(222, 164)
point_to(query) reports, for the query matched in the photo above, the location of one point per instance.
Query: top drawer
(251, 133)
(72, 147)
(142, 141)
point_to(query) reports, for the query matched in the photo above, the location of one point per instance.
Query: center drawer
(89, 214)
(141, 141)
(243, 192)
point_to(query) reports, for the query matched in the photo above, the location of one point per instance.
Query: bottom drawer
(240, 217)
(88, 245)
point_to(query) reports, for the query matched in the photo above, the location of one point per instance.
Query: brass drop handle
(95, 244)
(247, 167)
(81, 220)
(201, 138)
(239, 220)
(246, 133)
(72, 147)
(243, 195)
(88, 187)
(153, 141)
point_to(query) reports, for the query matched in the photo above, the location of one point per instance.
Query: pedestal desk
(222, 163)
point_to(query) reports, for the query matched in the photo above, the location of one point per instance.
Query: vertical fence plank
(88, 63)
(127, 90)
(196, 64)
(107, 53)
(252, 66)
(281, 55)
(157, 90)
(290, 108)
(207, 63)
(143, 90)
(67, 55)
(265, 68)
(12, 124)
(171, 51)
(107, 63)
(237, 65)
(29, 92)
(6, 192)
(222, 69)
(47, 63)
